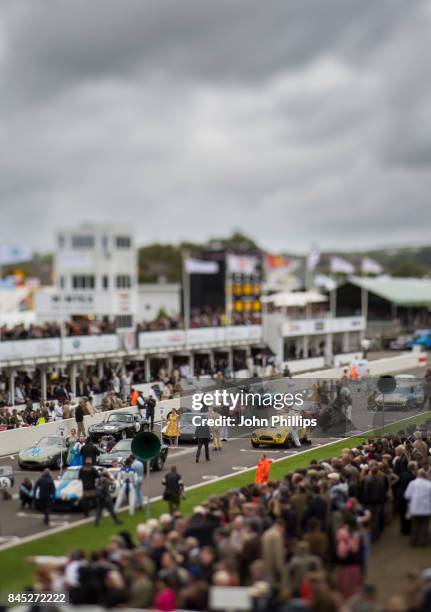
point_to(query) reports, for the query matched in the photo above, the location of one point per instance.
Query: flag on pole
(279, 270)
(200, 266)
(313, 259)
(14, 253)
(325, 282)
(241, 264)
(370, 266)
(342, 266)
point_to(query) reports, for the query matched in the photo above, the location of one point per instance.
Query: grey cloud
(295, 120)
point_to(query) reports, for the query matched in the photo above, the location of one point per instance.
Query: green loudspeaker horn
(146, 446)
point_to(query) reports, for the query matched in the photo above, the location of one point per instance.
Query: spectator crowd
(207, 317)
(301, 543)
(53, 330)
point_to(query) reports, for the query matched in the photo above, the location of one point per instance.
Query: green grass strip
(16, 573)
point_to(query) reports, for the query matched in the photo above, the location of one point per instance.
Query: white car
(408, 395)
(68, 487)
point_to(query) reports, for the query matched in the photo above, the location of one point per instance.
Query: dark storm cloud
(65, 42)
(297, 120)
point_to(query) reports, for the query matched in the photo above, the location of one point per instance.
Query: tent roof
(295, 298)
(400, 291)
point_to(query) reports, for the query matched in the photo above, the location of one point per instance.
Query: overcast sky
(296, 121)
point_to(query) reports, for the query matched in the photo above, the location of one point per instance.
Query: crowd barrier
(387, 365)
(13, 440)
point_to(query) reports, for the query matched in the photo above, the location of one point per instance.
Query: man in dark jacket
(203, 436)
(90, 451)
(373, 498)
(88, 475)
(317, 508)
(79, 418)
(173, 489)
(150, 405)
(44, 491)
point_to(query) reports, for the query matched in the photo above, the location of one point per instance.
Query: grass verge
(16, 573)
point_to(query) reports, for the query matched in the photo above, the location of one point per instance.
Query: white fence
(200, 337)
(148, 342)
(309, 327)
(15, 350)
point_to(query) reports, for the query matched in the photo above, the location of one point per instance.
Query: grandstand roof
(400, 291)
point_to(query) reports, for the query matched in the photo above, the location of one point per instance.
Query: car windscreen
(405, 388)
(50, 441)
(119, 418)
(70, 475)
(186, 419)
(123, 445)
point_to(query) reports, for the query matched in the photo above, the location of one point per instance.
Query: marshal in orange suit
(262, 470)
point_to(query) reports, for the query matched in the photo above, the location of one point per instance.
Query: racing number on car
(5, 483)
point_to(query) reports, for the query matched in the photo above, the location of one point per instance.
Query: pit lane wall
(13, 440)
(387, 365)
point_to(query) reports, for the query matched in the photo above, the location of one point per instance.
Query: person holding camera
(104, 486)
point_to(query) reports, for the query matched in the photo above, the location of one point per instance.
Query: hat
(199, 510)
(334, 476)
(165, 518)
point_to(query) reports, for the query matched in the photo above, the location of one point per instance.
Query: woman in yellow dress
(173, 429)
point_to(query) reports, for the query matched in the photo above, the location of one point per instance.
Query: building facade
(95, 269)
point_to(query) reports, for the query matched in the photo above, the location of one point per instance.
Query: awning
(399, 291)
(289, 299)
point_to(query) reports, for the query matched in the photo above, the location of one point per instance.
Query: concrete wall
(13, 440)
(378, 367)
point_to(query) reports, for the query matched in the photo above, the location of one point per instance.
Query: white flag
(313, 259)
(14, 253)
(370, 266)
(324, 281)
(341, 265)
(200, 266)
(241, 264)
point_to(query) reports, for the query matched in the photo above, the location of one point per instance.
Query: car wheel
(255, 444)
(21, 466)
(56, 464)
(287, 443)
(159, 464)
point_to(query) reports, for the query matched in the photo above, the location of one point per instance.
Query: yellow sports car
(277, 436)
